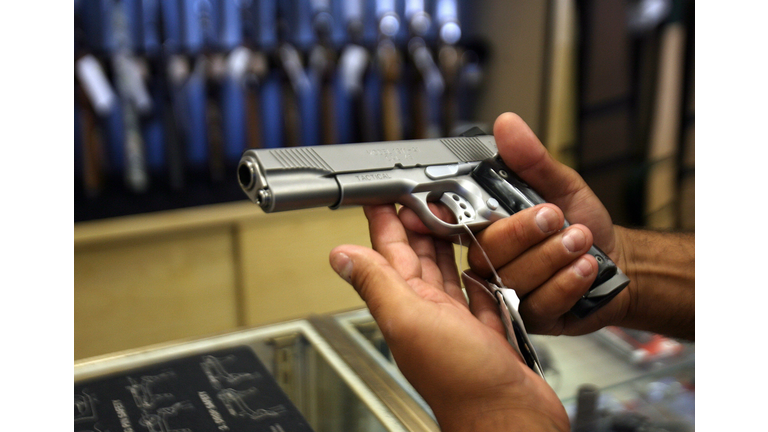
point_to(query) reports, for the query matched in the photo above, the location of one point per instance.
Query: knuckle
(515, 231)
(364, 280)
(549, 258)
(477, 262)
(534, 308)
(554, 299)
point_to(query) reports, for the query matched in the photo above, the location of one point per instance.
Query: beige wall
(514, 76)
(148, 279)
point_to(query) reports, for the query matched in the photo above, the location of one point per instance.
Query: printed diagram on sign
(159, 422)
(142, 390)
(85, 408)
(164, 397)
(96, 428)
(235, 402)
(147, 401)
(219, 376)
(85, 412)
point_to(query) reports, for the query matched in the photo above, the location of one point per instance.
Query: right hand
(549, 269)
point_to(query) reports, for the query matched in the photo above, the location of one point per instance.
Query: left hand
(453, 352)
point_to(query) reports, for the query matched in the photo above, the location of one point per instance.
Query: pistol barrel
(289, 189)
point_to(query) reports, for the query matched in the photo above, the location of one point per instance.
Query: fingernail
(547, 220)
(342, 265)
(574, 240)
(583, 267)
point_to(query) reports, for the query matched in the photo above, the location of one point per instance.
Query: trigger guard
(419, 204)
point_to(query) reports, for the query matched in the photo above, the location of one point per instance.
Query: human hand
(548, 268)
(453, 352)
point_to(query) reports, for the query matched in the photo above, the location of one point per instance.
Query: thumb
(379, 285)
(524, 154)
(557, 183)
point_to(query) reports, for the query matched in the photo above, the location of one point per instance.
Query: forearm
(501, 418)
(528, 422)
(661, 266)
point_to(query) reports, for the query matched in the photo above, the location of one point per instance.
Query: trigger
(460, 207)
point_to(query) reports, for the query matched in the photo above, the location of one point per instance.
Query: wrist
(522, 407)
(661, 294)
(499, 418)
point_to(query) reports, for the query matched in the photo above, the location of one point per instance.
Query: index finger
(505, 239)
(389, 238)
(413, 222)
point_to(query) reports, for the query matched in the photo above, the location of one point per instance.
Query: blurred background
(168, 94)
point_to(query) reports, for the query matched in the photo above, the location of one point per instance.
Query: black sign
(223, 391)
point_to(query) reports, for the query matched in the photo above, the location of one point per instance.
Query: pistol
(464, 173)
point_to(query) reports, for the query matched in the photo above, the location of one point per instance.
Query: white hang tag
(509, 304)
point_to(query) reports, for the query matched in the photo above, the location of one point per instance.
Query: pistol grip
(609, 282)
(514, 195)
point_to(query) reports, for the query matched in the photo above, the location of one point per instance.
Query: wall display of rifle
(168, 94)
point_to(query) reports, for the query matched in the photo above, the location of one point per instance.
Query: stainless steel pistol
(464, 173)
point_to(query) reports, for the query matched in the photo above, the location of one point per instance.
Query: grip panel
(514, 195)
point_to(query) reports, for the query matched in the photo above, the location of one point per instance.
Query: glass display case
(326, 387)
(335, 372)
(643, 379)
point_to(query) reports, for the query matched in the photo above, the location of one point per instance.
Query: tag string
(516, 336)
(497, 279)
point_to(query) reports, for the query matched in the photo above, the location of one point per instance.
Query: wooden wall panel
(284, 261)
(152, 289)
(514, 75)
